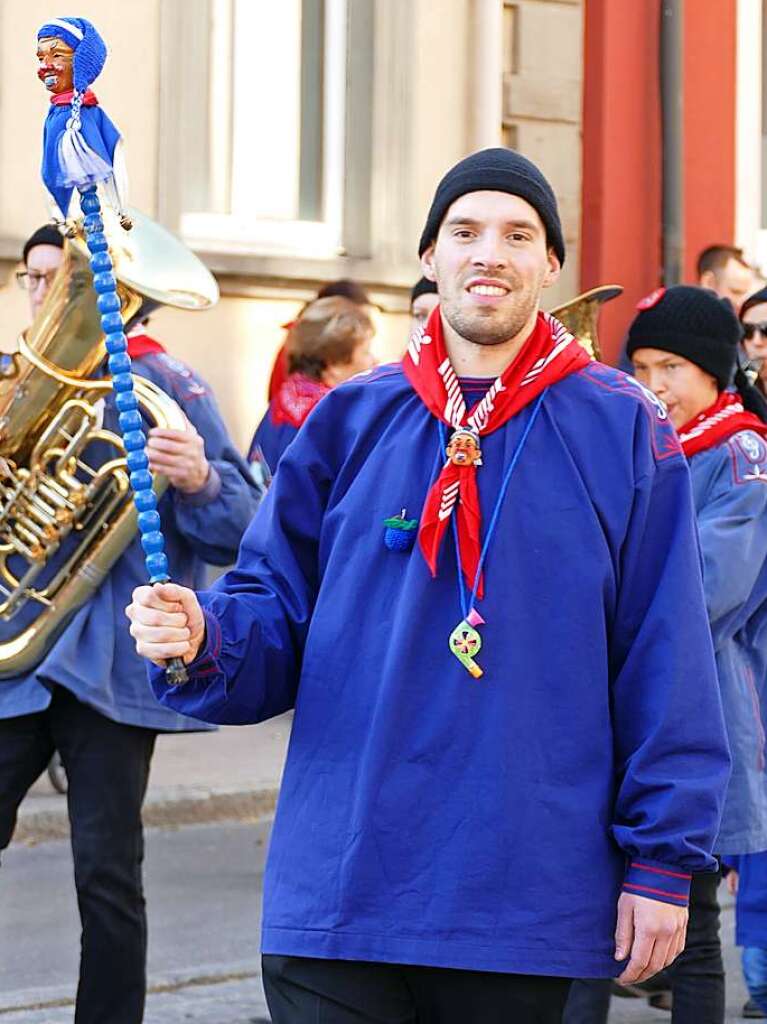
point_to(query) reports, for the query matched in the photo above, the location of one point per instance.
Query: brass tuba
(66, 513)
(580, 315)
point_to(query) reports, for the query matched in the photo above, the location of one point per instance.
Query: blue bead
(108, 302)
(93, 223)
(149, 520)
(130, 420)
(141, 480)
(119, 363)
(152, 542)
(122, 382)
(104, 282)
(97, 242)
(101, 262)
(134, 441)
(89, 202)
(145, 501)
(157, 567)
(125, 400)
(137, 460)
(111, 323)
(115, 343)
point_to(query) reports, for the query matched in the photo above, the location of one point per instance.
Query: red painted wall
(621, 226)
(621, 218)
(710, 54)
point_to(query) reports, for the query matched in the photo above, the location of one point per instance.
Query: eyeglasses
(30, 280)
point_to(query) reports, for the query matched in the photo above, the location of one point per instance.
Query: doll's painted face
(54, 64)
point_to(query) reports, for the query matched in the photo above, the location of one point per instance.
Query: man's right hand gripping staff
(166, 622)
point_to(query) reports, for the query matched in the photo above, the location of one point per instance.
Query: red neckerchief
(142, 345)
(61, 99)
(296, 398)
(548, 355)
(720, 421)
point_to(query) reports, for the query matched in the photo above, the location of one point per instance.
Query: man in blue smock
(466, 578)
(89, 697)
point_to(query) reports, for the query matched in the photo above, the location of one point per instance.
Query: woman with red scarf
(327, 345)
(683, 345)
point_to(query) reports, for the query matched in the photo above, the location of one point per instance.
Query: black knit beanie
(496, 170)
(46, 235)
(423, 286)
(690, 322)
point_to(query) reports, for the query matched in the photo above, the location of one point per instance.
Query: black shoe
(752, 1012)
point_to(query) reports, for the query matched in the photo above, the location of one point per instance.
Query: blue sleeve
(214, 519)
(258, 614)
(733, 540)
(672, 756)
(272, 439)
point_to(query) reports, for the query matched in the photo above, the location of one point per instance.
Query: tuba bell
(66, 513)
(580, 315)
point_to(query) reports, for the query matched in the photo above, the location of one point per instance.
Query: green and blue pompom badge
(400, 532)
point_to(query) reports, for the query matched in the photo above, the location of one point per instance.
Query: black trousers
(308, 991)
(107, 766)
(696, 978)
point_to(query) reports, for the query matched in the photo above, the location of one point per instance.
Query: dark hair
(46, 235)
(327, 332)
(423, 286)
(716, 257)
(346, 289)
(753, 300)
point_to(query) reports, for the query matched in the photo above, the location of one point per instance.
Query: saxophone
(66, 513)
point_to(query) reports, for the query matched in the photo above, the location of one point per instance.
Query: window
(276, 129)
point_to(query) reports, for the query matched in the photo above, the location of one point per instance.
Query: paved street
(204, 895)
(204, 899)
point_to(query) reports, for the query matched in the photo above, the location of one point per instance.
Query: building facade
(293, 143)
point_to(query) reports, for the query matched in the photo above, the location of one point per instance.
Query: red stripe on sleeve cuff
(665, 882)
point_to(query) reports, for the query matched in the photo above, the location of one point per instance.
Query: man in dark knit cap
(42, 256)
(423, 298)
(466, 578)
(683, 345)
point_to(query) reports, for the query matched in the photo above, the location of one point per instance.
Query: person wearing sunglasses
(753, 318)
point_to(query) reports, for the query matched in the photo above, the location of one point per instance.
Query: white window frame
(227, 232)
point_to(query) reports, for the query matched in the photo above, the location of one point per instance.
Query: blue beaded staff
(129, 415)
(80, 150)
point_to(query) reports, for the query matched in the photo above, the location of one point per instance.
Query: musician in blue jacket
(466, 578)
(683, 345)
(89, 697)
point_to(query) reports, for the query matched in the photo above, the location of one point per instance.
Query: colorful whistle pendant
(465, 642)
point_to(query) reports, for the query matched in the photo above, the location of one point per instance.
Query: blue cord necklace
(465, 641)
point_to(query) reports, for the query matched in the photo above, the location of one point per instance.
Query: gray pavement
(203, 885)
(232, 774)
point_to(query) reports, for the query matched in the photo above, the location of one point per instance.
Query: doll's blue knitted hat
(90, 49)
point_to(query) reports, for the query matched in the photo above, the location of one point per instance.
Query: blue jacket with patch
(730, 492)
(95, 656)
(427, 817)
